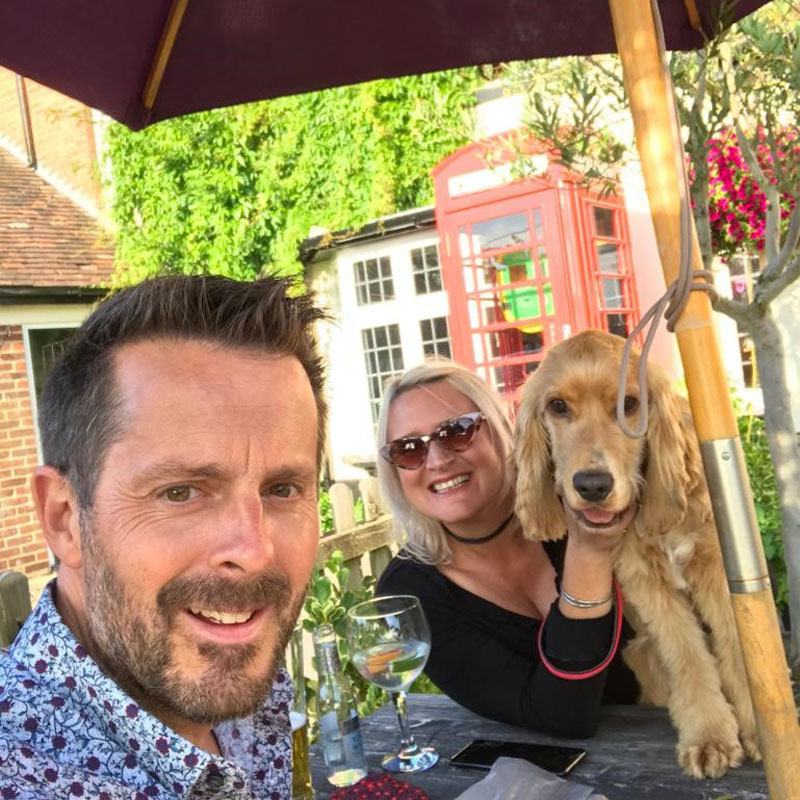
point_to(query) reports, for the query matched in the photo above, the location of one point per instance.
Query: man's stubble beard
(137, 653)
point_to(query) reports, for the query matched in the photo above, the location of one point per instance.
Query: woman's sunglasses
(454, 434)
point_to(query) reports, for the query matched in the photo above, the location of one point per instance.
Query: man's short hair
(79, 407)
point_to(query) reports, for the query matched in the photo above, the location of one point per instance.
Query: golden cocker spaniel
(570, 450)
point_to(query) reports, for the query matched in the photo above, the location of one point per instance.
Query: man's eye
(179, 494)
(285, 490)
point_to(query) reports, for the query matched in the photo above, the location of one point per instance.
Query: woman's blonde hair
(425, 539)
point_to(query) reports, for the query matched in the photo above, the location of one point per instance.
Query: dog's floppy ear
(674, 467)
(537, 505)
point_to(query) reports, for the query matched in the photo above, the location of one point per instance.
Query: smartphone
(484, 752)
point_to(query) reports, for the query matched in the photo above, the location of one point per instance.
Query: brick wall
(22, 545)
(62, 132)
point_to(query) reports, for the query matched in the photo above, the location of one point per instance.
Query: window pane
(469, 276)
(372, 362)
(607, 258)
(435, 280)
(47, 345)
(394, 334)
(384, 362)
(618, 324)
(500, 232)
(736, 266)
(739, 288)
(361, 294)
(359, 270)
(416, 259)
(443, 348)
(440, 326)
(521, 303)
(375, 295)
(380, 337)
(604, 221)
(372, 269)
(368, 337)
(432, 256)
(463, 242)
(549, 305)
(425, 329)
(544, 263)
(513, 267)
(388, 289)
(538, 223)
(612, 293)
(428, 349)
(386, 267)
(420, 285)
(397, 358)
(515, 342)
(532, 342)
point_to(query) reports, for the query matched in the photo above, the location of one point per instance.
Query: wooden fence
(368, 546)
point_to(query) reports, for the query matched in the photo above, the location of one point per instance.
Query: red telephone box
(526, 261)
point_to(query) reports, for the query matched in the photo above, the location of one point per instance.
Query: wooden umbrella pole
(649, 93)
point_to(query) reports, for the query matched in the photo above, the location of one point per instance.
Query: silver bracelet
(576, 603)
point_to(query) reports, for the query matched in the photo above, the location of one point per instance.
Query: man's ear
(57, 509)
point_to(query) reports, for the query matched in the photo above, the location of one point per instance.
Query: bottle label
(352, 742)
(332, 748)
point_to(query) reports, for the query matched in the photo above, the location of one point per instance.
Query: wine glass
(389, 642)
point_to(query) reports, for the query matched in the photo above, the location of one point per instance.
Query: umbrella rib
(694, 14)
(163, 52)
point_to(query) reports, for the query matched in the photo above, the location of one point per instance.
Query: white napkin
(515, 779)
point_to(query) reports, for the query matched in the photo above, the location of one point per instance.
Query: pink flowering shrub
(737, 206)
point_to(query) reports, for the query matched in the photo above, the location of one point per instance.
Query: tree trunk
(785, 454)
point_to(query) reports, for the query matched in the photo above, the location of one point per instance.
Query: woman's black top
(486, 658)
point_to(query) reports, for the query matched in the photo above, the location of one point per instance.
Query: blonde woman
(522, 631)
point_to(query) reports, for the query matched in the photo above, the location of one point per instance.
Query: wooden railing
(368, 546)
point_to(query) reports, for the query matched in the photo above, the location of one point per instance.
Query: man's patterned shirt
(67, 730)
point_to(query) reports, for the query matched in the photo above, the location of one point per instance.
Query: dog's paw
(710, 758)
(749, 740)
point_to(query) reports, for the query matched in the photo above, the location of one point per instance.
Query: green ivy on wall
(234, 191)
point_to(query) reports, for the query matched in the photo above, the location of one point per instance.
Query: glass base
(420, 759)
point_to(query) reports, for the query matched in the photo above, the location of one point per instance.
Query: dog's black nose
(593, 485)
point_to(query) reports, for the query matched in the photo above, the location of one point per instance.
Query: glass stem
(407, 743)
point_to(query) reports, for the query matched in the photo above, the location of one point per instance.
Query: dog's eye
(558, 406)
(631, 403)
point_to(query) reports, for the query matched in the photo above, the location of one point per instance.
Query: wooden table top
(632, 757)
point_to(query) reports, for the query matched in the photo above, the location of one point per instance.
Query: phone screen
(484, 752)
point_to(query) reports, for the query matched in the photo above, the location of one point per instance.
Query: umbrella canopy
(222, 52)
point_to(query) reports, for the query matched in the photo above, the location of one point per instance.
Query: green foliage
(328, 601)
(358, 511)
(746, 76)
(765, 496)
(325, 513)
(568, 108)
(233, 191)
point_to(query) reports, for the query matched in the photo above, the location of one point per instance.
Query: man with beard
(181, 435)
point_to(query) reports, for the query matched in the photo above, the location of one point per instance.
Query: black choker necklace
(489, 536)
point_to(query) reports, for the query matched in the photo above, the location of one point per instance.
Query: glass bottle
(302, 788)
(339, 726)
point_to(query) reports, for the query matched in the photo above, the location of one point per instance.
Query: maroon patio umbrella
(102, 52)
